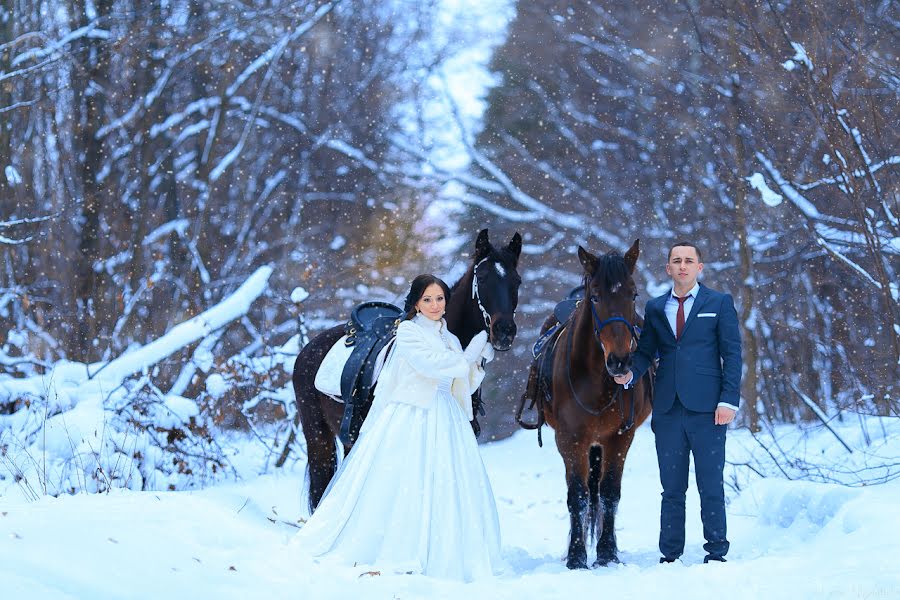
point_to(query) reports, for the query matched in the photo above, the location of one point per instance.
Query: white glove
(473, 351)
(488, 353)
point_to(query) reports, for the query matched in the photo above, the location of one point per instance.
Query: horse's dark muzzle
(618, 365)
(502, 335)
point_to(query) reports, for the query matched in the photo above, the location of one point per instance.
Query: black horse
(485, 298)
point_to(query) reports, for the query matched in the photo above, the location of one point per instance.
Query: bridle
(598, 325)
(477, 296)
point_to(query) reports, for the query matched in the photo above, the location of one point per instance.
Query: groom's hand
(623, 379)
(724, 415)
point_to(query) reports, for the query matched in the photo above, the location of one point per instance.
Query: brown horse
(594, 419)
(485, 298)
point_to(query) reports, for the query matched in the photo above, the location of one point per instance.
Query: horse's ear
(588, 260)
(515, 246)
(631, 256)
(482, 245)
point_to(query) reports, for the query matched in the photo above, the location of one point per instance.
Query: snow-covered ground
(790, 539)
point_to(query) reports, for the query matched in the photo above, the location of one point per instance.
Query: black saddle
(563, 311)
(368, 315)
(544, 349)
(371, 327)
(540, 381)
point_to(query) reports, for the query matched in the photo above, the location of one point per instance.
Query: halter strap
(484, 313)
(599, 324)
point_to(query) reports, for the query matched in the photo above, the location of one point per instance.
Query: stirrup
(350, 424)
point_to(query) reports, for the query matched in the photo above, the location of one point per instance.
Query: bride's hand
(473, 351)
(488, 353)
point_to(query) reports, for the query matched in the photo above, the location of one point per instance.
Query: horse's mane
(505, 255)
(467, 273)
(611, 270)
(458, 284)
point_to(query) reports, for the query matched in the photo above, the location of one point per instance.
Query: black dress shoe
(710, 558)
(663, 559)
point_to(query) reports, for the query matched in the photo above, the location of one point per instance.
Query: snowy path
(789, 540)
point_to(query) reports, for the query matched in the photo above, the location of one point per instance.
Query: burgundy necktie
(679, 318)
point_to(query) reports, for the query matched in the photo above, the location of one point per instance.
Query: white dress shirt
(672, 306)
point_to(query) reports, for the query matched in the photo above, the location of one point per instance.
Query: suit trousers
(679, 433)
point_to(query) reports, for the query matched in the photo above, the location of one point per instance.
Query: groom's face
(684, 266)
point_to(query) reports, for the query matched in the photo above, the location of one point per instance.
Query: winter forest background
(190, 188)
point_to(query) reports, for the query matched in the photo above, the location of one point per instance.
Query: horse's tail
(321, 444)
(595, 472)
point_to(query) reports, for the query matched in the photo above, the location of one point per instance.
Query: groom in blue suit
(696, 395)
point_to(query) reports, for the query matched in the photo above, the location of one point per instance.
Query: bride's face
(432, 303)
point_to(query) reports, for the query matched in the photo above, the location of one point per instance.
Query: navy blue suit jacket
(703, 368)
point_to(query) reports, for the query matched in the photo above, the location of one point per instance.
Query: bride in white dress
(413, 496)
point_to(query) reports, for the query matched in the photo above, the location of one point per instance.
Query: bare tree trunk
(6, 100)
(90, 84)
(750, 382)
(748, 280)
(146, 69)
(7, 30)
(195, 211)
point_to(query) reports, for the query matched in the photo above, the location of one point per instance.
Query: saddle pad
(328, 377)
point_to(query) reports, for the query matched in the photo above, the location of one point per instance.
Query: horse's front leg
(577, 500)
(610, 490)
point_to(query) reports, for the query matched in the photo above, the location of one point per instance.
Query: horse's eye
(594, 298)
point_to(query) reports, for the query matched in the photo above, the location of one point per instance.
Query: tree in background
(181, 144)
(185, 143)
(677, 120)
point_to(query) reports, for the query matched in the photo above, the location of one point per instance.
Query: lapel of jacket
(699, 301)
(661, 306)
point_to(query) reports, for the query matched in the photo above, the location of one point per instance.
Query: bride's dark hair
(417, 290)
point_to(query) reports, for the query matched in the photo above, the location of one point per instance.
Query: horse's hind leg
(575, 456)
(610, 491)
(321, 450)
(321, 447)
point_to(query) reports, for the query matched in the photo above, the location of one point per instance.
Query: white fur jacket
(422, 357)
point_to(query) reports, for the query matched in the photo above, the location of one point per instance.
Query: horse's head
(495, 287)
(610, 292)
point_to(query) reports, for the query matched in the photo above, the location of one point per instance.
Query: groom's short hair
(689, 245)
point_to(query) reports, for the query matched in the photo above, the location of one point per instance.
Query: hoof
(605, 561)
(574, 563)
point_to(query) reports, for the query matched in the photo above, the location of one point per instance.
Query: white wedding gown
(411, 497)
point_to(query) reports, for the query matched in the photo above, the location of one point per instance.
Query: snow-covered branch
(91, 30)
(188, 332)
